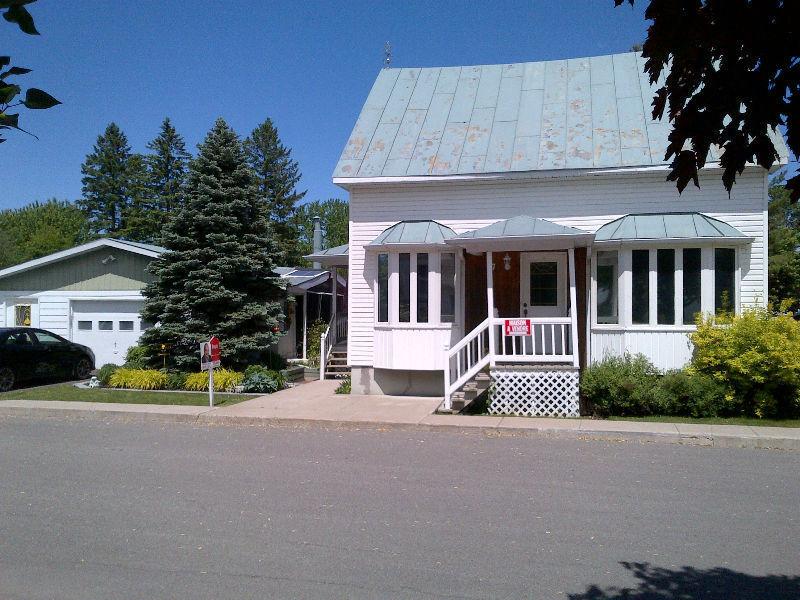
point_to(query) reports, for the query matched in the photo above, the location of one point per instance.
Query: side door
(543, 284)
(57, 353)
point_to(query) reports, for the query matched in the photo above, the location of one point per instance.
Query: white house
(515, 218)
(92, 295)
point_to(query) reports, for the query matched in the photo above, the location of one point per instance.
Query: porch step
(471, 390)
(336, 367)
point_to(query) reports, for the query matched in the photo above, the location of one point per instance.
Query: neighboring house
(92, 295)
(516, 218)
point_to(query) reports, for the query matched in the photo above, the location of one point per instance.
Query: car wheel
(7, 379)
(83, 368)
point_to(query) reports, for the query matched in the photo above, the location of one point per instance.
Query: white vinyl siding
(586, 202)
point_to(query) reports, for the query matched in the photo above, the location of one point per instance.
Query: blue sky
(308, 65)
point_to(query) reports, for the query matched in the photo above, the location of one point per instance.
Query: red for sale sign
(517, 327)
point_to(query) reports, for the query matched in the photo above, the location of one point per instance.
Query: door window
(105, 325)
(22, 315)
(128, 325)
(544, 284)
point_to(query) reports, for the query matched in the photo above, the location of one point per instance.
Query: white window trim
(625, 277)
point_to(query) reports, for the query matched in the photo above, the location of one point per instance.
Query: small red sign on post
(517, 327)
(214, 341)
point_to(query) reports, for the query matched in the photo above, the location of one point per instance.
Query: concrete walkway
(316, 403)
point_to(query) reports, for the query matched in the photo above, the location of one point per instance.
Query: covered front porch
(524, 311)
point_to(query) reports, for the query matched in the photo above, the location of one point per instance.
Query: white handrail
(325, 348)
(470, 355)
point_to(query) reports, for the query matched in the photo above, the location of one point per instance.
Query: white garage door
(108, 327)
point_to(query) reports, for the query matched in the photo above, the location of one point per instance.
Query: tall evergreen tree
(113, 180)
(166, 168)
(278, 176)
(217, 275)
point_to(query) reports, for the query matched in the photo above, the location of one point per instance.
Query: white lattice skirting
(534, 393)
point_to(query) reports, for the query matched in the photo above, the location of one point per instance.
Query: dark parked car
(27, 353)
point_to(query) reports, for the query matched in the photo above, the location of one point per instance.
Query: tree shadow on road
(687, 583)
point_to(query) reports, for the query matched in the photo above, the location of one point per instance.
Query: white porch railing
(326, 343)
(551, 340)
(341, 327)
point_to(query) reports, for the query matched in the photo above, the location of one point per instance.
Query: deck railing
(341, 327)
(551, 340)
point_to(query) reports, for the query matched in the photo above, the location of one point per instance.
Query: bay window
(665, 290)
(640, 287)
(383, 288)
(448, 288)
(691, 285)
(724, 279)
(422, 287)
(607, 286)
(404, 269)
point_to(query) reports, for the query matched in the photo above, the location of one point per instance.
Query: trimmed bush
(136, 358)
(138, 379)
(224, 381)
(620, 386)
(756, 357)
(686, 394)
(105, 372)
(176, 380)
(258, 379)
(344, 386)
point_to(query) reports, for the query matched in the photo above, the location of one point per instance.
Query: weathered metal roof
(561, 114)
(522, 226)
(414, 232)
(667, 226)
(343, 250)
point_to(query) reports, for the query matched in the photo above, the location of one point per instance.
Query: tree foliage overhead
(14, 11)
(114, 183)
(733, 76)
(39, 229)
(334, 218)
(784, 247)
(278, 176)
(217, 275)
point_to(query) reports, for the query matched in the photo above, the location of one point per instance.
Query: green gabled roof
(667, 226)
(521, 226)
(414, 233)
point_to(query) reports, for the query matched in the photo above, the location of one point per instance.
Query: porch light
(507, 262)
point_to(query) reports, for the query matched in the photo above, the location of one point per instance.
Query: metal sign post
(210, 358)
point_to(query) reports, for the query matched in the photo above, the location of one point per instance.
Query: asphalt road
(133, 510)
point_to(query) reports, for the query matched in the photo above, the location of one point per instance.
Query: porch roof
(414, 233)
(331, 257)
(522, 229)
(668, 226)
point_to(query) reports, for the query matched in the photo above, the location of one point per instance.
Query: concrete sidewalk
(316, 404)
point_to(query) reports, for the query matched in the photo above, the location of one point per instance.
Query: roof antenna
(387, 55)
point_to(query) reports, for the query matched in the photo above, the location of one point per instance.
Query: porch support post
(305, 324)
(490, 306)
(573, 308)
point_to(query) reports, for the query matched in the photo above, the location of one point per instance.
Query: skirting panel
(534, 392)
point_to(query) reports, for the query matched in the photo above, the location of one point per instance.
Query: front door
(543, 284)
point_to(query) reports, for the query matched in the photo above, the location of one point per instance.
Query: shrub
(136, 358)
(756, 357)
(687, 394)
(259, 379)
(344, 386)
(620, 385)
(138, 379)
(269, 359)
(313, 335)
(176, 380)
(224, 381)
(105, 373)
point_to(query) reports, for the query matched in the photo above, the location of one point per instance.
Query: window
(105, 325)
(422, 288)
(19, 338)
(544, 284)
(691, 284)
(724, 279)
(383, 288)
(404, 289)
(607, 278)
(48, 339)
(665, 286)
(145, 325)
(84, 325)
(22, 315)
(640, 282)
(448, 288)
(126, 325)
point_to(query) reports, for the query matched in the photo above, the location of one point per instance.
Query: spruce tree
(278, 176)
(166, 170)
(112, 184)
(217, 275)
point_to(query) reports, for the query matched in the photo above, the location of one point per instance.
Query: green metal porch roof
(420, 233)
(523, 226)
(667, 226)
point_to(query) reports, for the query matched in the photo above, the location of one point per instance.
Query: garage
(108, 327)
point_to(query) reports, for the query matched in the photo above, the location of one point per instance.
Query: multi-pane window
(422, 288)
(404, 269)
(448, 287)
(607, 282)
(724, 279)
(640, 282)
(691, 284)
(383, 288)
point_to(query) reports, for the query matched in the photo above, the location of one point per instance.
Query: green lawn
(67, 391)
(716, 421)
